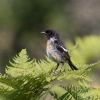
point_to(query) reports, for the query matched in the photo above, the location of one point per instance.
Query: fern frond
(28, 79)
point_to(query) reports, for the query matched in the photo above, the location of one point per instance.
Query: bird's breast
(53, 53)
(50, 47)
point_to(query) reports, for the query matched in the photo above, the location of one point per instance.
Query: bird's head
(50, 33)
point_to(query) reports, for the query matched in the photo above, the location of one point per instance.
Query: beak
(43, 33)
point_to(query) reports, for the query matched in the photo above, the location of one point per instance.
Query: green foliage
(87, 50)
(28, 79)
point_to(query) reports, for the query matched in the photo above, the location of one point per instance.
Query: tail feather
(72, 66)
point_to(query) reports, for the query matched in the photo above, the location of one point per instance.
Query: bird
(56, 49)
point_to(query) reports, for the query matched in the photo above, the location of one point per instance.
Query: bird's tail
(72, 66)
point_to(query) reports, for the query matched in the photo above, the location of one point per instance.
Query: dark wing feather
(67, 57)
(62, 50)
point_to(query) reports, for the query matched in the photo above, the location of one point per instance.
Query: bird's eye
(50, 33)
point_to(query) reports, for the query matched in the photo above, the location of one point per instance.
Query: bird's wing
(60, 46)
(63, 50)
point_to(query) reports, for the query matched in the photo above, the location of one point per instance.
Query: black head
(50, 33)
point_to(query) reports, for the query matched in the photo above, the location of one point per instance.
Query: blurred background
(21, 22)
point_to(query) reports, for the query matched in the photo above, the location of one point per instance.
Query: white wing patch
(64, 49)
